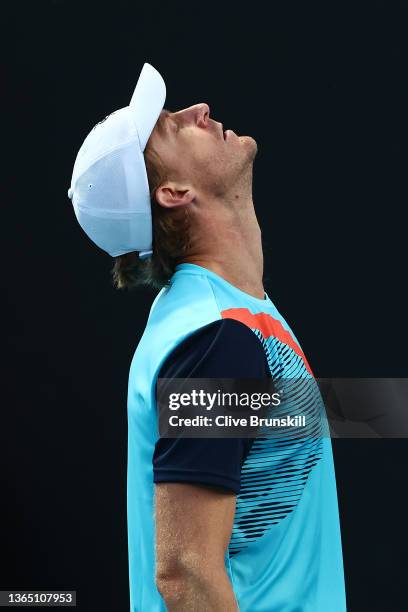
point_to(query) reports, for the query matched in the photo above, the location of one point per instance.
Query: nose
(198, 114)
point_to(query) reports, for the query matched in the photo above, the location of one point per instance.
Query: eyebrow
(161, 123)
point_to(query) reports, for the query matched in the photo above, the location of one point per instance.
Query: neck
(227, 240)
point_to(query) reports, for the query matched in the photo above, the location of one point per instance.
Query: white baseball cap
(109, 187)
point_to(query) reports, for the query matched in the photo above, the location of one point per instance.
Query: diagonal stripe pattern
(275, 472)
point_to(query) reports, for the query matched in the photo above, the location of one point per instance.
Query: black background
(323, 89)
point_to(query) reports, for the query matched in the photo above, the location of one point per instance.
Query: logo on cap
(103, 120)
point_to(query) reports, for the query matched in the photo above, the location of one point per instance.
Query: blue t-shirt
(285, 549)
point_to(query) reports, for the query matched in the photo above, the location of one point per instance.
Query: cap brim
(147, 102)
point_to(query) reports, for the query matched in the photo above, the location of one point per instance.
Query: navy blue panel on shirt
(223, 349)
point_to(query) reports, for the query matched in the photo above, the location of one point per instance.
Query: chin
(251, 144)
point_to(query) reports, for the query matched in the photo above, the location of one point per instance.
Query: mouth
(227, 134)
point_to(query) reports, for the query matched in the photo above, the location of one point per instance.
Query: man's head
(151, 187)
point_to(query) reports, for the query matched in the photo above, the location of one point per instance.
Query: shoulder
(224, 348)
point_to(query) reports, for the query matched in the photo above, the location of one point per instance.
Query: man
(213, 524)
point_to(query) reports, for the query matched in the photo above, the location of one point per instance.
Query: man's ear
(171, 195)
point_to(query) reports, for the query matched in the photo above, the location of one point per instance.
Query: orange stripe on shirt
(268, 326)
